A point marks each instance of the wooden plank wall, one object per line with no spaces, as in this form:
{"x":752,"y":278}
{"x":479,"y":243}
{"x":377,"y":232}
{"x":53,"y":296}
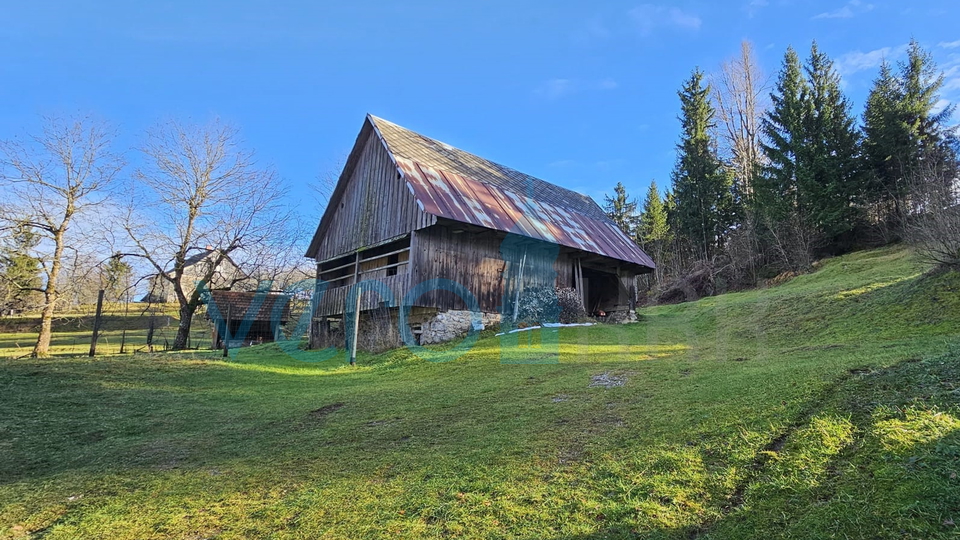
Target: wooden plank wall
{"x":376,"y":205}
{"x":333,"y":300}
{"x":476,"y":260}
{"x":485,"y":263}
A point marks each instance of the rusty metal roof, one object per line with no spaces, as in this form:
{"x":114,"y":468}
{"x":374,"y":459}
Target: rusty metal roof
{"x":453,"y":184}
{"x":267,"y":305}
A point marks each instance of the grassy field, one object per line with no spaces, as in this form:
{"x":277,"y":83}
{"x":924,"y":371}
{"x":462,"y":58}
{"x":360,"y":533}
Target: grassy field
{"x":827,"y":407}
{"x":72,"y":331}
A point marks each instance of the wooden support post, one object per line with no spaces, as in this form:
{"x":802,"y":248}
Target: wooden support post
{"x":356,"y":269}
{"x":578,"y":271}
{"x":356,"y":331}
{"x":226,"y":332}
{"x":96,"y":324}
{"x":151,"y":326}
{"x":516,"y":300}
{"x":356,"y":311}
{"x":123,"y":341}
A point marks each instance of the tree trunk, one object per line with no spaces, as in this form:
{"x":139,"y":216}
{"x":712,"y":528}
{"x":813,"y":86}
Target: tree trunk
{"x":183,"y":329}
{"x":50,"y":294}
{"x":42,"y":348}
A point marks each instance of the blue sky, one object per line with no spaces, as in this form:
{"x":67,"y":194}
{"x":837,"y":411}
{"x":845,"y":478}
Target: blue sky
{"x":582,"y":94}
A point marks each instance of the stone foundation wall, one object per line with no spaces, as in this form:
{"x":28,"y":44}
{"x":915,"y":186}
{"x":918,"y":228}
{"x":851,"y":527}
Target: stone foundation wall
{"x":622,"y":317}
{"x":451,"y":325}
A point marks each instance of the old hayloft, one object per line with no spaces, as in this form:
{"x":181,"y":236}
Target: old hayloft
{"x":408,"y":209}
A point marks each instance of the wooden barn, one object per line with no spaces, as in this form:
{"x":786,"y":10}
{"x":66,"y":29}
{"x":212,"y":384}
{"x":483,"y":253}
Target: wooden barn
{"x":408,"y":209}
{"x":252,"y":317}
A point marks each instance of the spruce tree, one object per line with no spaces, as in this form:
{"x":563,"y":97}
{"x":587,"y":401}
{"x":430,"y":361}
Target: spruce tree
{"x":776,"y":193}
{"x":653,"y":232}
{"x":905,"y":137}
{"x":921,"y":94}
{"x":829,"y":178}
{"x":19,"y":270}
{"x":653,"y":226}
{"x":885,"y":143}
{"x":622,"y":209}
{"x":703,"y":189}
{"x":116,"y":276}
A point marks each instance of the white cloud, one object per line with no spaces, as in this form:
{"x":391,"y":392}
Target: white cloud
{"x":555,"y":88}
{"x":559,"y":88}
{"x":851,"y":9}
{"x":951,"y":79}
{"x":949,"y":44}
{"x":854,"y":61}
{"x":755,"y":6}
{"x":607,"y":84}
{"x":939,"y":106}
{"x":649,"y":17}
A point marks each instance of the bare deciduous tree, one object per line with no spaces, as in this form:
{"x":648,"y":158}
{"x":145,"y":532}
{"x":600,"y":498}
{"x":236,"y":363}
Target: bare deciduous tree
{"x":49,"y":181}
{"x":740,"y":96}
{"x":935,"y":227}
{"x":200,"y":188}
{"x":324,"y":185}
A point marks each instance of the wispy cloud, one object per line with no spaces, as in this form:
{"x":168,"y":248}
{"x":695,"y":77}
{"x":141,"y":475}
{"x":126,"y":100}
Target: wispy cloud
{"x":851,"y":9}
{"x":855,"y":61}
{"x":554,"y":88}
{"x":595,"y":29}
{"x":607,"y":84}
{"x":949,"y":44}
{"x":558,"y":88}
{"x":951,"y":79}
{"x":939,"y":106}
{"x":649,"y":17}
{"x":755,"y":6}
{"x":951,"y":76}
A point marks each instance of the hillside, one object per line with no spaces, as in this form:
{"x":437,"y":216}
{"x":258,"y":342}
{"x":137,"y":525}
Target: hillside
{"x":828,"y":406}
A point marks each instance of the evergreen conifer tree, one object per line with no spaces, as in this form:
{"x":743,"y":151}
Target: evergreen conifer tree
{"x":702,"y":188}
{"x":622,"y":209}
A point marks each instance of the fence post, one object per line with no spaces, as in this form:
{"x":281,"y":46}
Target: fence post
{"x":96,"y":324}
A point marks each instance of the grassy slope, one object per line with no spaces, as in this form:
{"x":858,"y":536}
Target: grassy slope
{"x":824,"y":407}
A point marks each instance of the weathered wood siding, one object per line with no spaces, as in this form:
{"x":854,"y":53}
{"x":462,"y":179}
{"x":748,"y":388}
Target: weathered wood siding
{"x":484,"y":263}
{"x":375,"y":206}
{"x":333,"y":300}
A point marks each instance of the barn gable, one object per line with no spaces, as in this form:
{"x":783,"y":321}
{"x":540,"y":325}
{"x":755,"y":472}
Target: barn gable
{"x":370,"y":205}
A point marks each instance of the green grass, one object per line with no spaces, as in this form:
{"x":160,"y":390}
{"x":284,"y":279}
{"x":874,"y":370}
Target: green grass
{"x":72,"y":331}
{"x":828,"y":407}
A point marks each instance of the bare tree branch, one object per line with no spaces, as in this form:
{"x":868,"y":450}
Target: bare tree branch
{"x":52,"y":179}
{"x":201,"y":188}
{"x":740,"y":97}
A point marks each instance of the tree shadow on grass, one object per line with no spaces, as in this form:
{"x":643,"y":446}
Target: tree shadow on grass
{"x":880,"y":458}
{"x":396,"y":428}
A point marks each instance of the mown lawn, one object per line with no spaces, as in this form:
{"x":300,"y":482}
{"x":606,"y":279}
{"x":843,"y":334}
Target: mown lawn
{"x":828,"y":407}
{"x":127,"y":327}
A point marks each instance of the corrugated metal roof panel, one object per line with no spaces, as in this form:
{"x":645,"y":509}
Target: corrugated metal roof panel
{"x":460,"y":198}
{"x":457,"y":185}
